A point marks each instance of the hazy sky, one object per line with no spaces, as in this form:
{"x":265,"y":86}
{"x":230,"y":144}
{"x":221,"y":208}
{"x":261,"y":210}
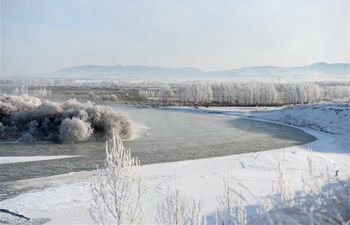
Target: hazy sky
{"x":45,"y":35}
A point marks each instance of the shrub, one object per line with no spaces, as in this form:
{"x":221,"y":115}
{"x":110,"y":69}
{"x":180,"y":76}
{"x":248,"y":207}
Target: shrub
{"x":74,"y":130}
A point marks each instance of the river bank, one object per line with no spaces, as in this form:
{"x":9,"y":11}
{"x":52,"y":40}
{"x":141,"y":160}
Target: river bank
{"x":202,"y":178}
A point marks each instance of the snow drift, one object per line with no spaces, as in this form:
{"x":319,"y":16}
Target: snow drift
{"x":26,"y":118}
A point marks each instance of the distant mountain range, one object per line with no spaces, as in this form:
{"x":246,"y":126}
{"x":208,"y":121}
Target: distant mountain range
{"x":316,"y":71}
{"x":131,"y":72}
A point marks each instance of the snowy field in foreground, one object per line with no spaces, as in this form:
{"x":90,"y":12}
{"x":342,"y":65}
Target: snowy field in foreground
{"x":202,"y":179}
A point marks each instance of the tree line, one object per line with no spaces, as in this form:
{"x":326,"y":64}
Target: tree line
{"x":231,"y":93}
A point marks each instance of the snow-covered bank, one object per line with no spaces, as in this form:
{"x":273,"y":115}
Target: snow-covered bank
{"x":17,"y":159}
{"x":328,"y":118}
{"x":202,"y":179}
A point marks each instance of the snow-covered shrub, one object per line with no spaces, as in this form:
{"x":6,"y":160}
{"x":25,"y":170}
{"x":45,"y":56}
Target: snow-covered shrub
{"x":331,"y":207}
{"x":105,"y":119}
{"x":311,"y":181}
{"x":285,"y":193}
{"x":175,"y":208}
{"x":327,"y":204}
{"x":230,"y":210}
{"x":24,"y":115}
{"x":93,"y":97}
{"x":334,"y":203}
{"x":119,"y":192}
{"x":195,"y":213}
{"x":74,"y":130}
{"x":11,"y":103}
{"x":172,"y":208}
{"x":111,"y":97}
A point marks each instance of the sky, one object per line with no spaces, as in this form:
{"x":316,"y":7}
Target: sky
{"x":40,"y":36}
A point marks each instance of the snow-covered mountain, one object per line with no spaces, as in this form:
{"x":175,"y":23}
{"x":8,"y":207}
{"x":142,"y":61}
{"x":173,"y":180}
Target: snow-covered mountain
{"x":316,"y":71}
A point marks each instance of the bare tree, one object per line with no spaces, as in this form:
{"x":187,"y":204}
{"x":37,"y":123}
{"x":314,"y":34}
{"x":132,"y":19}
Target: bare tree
{"x":119,"y":193}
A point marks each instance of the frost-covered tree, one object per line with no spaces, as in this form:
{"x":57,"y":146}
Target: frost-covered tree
{"x":166,"y":93}
{"x":248,"y":93}
{"x":183,"y":94}
{"x":335,"y":91}
{"x":201,"y":93}
{"x":119,"y":193}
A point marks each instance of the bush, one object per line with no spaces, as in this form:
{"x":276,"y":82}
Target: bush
{"x":119,"y":193}
{"x":26,"y":118}
{"x":74,"y":130}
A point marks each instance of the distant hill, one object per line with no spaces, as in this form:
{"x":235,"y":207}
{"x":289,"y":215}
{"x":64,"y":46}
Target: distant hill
{"x":131,"y":71}
{"x":316,"y":71}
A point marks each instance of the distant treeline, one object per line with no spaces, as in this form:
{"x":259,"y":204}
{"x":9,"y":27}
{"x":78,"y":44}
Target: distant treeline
{"x":230,"y":93}
{"x":201,"y":93}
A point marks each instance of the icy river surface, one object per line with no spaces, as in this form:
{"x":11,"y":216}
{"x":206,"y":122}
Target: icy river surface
{"x":162,"y":135}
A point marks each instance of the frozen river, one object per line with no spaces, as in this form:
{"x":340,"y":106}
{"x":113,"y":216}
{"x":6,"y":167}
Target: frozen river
{"x":163,"y":135}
